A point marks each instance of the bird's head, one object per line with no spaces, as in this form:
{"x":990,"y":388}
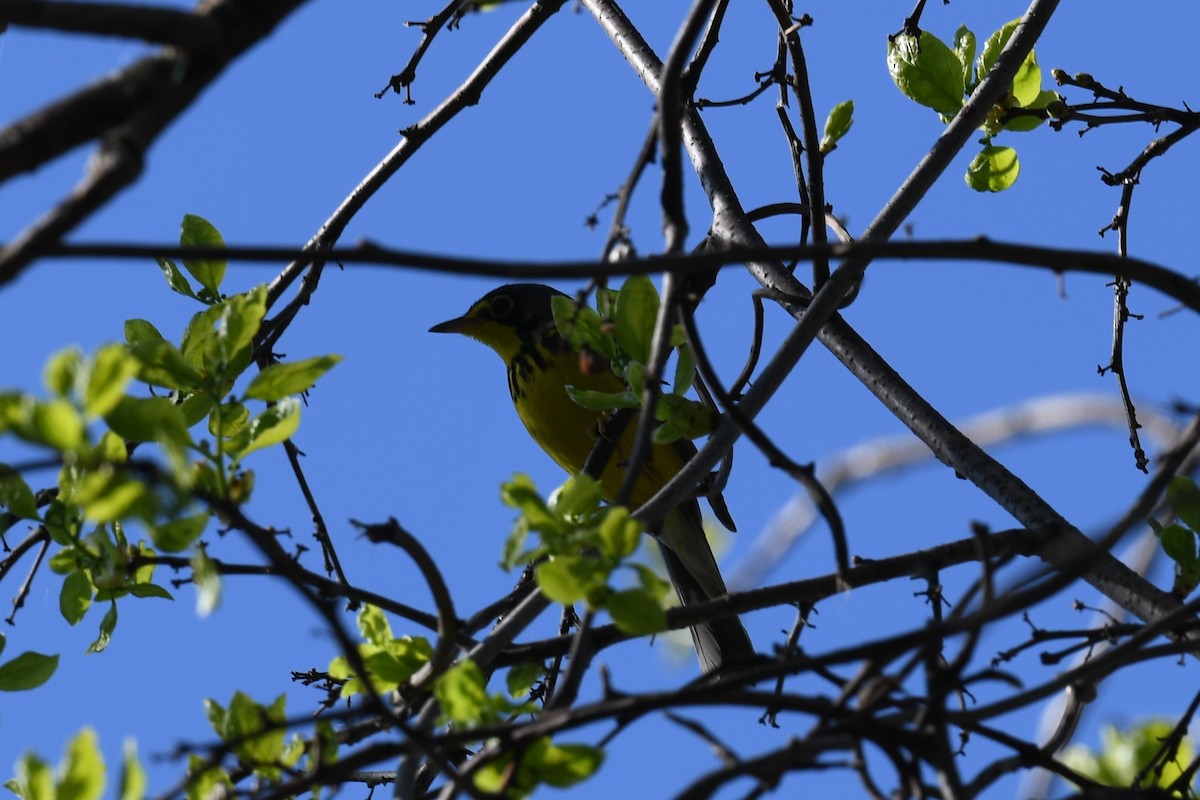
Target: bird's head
{"x":506,"y":317}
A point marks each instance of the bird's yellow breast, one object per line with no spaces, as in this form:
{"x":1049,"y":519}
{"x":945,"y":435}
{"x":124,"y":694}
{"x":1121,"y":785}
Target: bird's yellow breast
{"x":567,"y":431}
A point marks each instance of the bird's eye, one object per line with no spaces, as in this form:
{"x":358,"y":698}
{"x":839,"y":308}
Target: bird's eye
{"x":501,"y":306}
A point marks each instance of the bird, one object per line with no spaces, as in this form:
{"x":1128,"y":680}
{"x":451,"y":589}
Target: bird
{"x":517,"y":322}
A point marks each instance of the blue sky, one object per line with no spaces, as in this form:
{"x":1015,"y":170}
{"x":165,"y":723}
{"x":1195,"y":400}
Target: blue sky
{"x":418,"y":427}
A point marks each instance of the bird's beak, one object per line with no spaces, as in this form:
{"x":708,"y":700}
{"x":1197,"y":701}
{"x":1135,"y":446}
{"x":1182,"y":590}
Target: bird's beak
{"x":464,"y":325}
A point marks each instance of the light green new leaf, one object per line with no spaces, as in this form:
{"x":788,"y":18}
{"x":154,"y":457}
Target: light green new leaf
{"x":603,"y":401}
{"x":107,"y":626}
{"x":272,"y":426}
{"x":620,"y":534}
{"x":133,"y":774}
{"x":1027,"y":83}
{"x":994,"y":169}
{"x":75,"y":597}
{"x":560,"y":766}
{"x":581,"y":326}
{"x":207,"y":581}
{"x":15,"y":495}
{"x":27,"y":671}
{"x":228,"y":420}
{"x":83,"y":772}
{"x":149,"y":419}
{"x":34,"y":781}
{"x":462,"y":694}
{"x":636,"y":612}
{"x":179,"y":534}
{"x":282,"y":380}
{"x":240,"y":318}
{"x":198,"y":337}
{"x":926,"y":71}
{"x":522,"y":677}
{"x":161,"y":363}
{"x":175,"y":278}
{"x":964,"y":49}
{"x":684,"y":418}
{"x":637,"y":309}
{"x":199,"y":232}
{"x":1184,"y":497}
{"x":837,"y":125}
{"x":569,"y":579}
{"x":62,"y":371}
{"x":109,"y":373}
{"x":55,"y":423}
{"x":578,"y":496}
{"x":374,"y":626}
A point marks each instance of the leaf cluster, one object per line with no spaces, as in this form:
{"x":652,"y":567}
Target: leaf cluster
{"x":92,"y":422}
{"x":620,"y":332}
{"x":934,"y":74}
{"x":580,"y":549}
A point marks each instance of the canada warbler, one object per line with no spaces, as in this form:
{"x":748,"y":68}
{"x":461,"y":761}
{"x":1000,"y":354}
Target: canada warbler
{"x":517,"y":322}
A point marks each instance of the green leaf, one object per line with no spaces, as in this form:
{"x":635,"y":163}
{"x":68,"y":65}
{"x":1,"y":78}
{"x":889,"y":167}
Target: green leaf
{"x":199,"y":232}
{"x":521,"y":494}
{"x":240,"y":318}
{"x":685,"y":371}
{"x":57,"y":424}
{"x":926,"y":71}
{"x":522,"y":678}
{"x":109,"y":373}
{"x":271,"y":427}
{"x":229,"y":420}
{"x":570,"y":579}
{"x":161,"y":363}
{"x":374,"y":626}
{"x":107,"y":626}
{"x":15,"y":494}
{"x":577,"y":497}
{"x":994,"y":169}
{"x":495,"y":776}
{"x":34,"y":781}
{"x":146,"y":590}
{"x":133,"y":775}
{"x":175,"y":278}
{"x":964,"y":50}
{"x":603,"y":401}
{"x":635,"y":378}
{"x":560,"y":766}
{"x":83,"y":773}
{"x":461,"y":693}
{"x":636,"y":612}
{"x":149,"y":419}
{"x":62,"y":371}
{"x":75,"y":598}
{"x":199,"y":335}
{"x":620,"y":534}
{"x":837,"y":125}
{"x":637,"y":310}
{"x":179,"y":534}
{"x":27,"y":671}
{"x":1027,"y":83}
{"x":1184,"y":498}
{"x":684,"y":418}
{"x":107,"y":495}
{"x":281,"y":380}
{"x":255,"y":730}
{"x":208,"y":583}
{"x":196,"y":407}
{"x":581,"y":326}
{"x":206,"y":782}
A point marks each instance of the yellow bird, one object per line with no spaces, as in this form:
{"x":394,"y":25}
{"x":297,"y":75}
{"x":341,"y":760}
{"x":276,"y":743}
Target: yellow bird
{"x":517,"y":322}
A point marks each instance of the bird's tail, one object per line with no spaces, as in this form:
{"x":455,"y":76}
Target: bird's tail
{"x":694,"y":574}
